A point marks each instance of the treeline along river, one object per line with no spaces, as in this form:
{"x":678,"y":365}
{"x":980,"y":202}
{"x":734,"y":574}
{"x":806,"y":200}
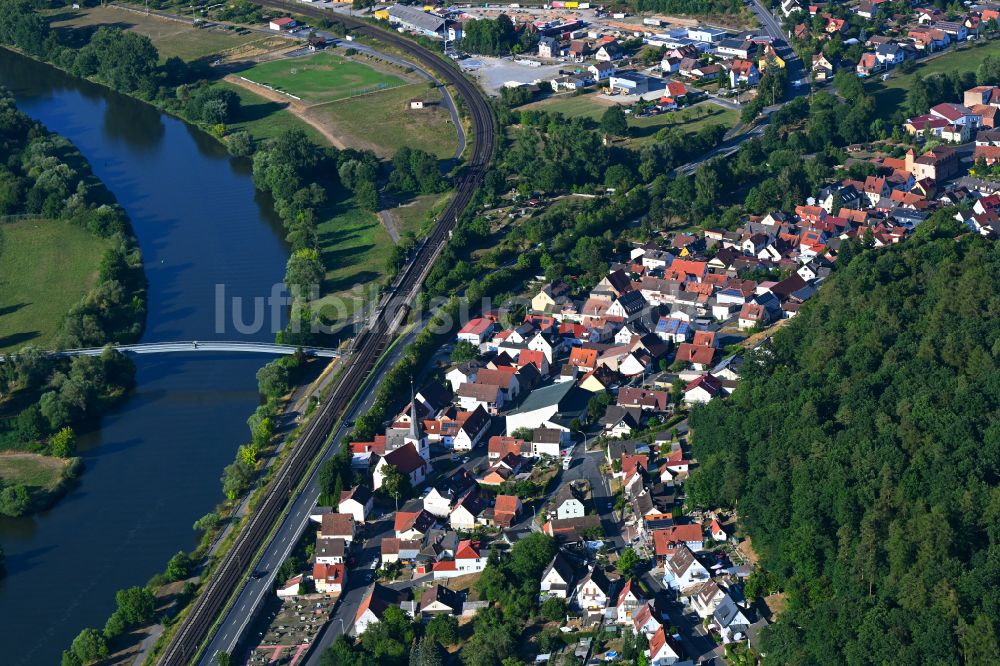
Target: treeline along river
{"x":153,"y":466}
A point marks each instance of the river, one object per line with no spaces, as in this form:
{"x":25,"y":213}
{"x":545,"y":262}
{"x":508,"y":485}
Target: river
{"x":153,"y":466}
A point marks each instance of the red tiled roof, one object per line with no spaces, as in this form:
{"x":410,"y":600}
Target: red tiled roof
{"x":691,"y":353}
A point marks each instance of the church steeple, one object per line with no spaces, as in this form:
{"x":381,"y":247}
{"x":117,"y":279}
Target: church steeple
{"x":414,"y":421}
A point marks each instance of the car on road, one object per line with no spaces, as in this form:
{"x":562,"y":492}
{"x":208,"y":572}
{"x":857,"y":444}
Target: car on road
{"x":258,"y":574}
{"x":465,"y":460}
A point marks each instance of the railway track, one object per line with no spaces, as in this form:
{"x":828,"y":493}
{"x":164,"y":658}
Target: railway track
{"x":227,"y":578}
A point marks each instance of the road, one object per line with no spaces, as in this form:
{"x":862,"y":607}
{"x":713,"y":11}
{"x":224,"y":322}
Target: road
{"x":230,"y":575}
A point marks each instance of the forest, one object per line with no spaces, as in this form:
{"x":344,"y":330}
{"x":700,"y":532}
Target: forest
{"x":862,"y":449}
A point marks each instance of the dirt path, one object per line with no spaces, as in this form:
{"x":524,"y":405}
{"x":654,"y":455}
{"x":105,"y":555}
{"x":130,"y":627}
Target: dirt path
{"x":295,"y":107}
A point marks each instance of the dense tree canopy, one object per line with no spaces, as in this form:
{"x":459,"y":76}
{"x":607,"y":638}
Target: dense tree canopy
{"x":863,"y":451}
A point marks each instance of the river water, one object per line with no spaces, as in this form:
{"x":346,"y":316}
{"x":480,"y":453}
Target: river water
{"x":153,"y":466}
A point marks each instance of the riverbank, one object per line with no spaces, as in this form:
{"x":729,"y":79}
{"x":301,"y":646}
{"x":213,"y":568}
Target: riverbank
{"x":46,"y":478}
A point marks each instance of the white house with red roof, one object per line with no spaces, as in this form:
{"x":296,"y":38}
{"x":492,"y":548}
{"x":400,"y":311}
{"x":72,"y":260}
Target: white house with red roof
{"x":628,"y":602}
{"x":645,"y":620}
{"x":290,"y":588}
{"x":957,"y":114}
{"x":329,"y":578}
{"x":469,"y":557}
{"x":281,"y":24}
{"x":703,"y":389}
{"x":477,"y":331}
{"x":717,"y":532}
{"x":661,"y":651}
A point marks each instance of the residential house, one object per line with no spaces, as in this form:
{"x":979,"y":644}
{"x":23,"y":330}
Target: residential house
{"x":467,"y":512}
{"x":629,"y":601}
{"x":548,"y":47}
{"x":410,"y":525}
{"x":620,"y":421}
{"x":594,"y":591}
{"x":662,"y":651}
{"x":485,"y":396}
{"x":682,"y":570}
{"x":506,"y":510}
{"x":707,"y":599}
{"x":477,"y":331}
{"x":440,"y":600}
{"x":890,"y":54}
{"x":469,"y":557}
{"x":743,"y":73}
{"x":357,"y":502}
{"x":547,"y":442}
{"x":330,"y":550}
{"x":557,"y":580}
{"x":445,"y":493}
{"x":868,"y":65}
{"x":337,"y":526}
{"x":608,"y":52}
{"x":329,"y":578}
{"x":500,"y":445}
{"x":463,"y":373}
{"x":601,"y":71}
{"x":669,"y":540}
{"x":373,"y":607}
{"x":822,"y":68}
{"x":629,"y":306}
{"x":729,"y":621}
{"x":567,"y":503}
{"x":407,"y":460}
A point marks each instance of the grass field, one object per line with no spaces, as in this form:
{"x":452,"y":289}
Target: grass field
{"x":321,"y":77}
{"x":891,"y":95}
{"x":46,"y":266}
{"x":31,"y":469}
{"x":412,"y":216}
{"x":355,"y":248}
{"x":383,"y":123}
{"x":265,"y":119}
{"x":171,"y":38}
{"x":643,"y":130}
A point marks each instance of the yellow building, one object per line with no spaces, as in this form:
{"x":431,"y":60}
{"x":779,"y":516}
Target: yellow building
{"x":770,"y":57}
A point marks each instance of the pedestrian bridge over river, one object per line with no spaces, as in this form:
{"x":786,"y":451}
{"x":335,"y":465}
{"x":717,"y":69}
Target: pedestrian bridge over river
{"x":204,"y":346}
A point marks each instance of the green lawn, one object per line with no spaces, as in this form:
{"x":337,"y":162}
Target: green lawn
{"x":643,"y":130}
{"x":321,"y":77}
{"x":412,"y":216}
{"x":891,"y":95}
{"x":46,"y":266}
{"x":383,"y":122}
{"x":33,"y":470}
{"x":171,"y":38}
{"x":265,"y":119}
{"x":355,"y":248}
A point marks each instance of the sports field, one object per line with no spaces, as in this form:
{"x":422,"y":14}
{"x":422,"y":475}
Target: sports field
{"x":46,"y":266}
{"x":321,"y":77}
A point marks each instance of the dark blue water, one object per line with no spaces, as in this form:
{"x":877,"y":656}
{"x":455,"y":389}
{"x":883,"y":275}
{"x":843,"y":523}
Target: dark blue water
{"x":153,"y":467}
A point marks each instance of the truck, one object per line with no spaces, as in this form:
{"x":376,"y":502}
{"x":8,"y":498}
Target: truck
{"x":652,"y":21}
